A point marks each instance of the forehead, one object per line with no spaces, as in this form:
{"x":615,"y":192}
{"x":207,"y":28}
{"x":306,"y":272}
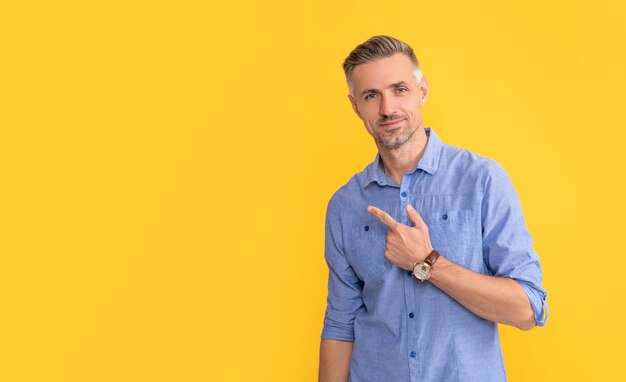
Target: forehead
{"x":385,"y":71}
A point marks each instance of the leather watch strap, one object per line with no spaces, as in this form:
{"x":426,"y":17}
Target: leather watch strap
{"x":432,"y":257}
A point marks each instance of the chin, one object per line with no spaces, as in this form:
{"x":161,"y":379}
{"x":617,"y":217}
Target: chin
{"x":394,"y":143}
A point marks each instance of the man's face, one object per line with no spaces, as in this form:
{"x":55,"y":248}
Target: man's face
{"x":388,"y":98}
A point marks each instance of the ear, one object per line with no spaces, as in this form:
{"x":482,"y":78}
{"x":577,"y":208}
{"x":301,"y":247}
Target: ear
{"x":423,"y":88}
{"x":354,"y":106}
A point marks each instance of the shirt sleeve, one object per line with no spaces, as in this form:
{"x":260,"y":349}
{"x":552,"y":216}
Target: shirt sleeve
{"x":507,"y":244}
{"x":344,"y":287}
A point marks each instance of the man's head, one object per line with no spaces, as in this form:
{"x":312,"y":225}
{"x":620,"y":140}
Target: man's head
{"x":387,"y":89}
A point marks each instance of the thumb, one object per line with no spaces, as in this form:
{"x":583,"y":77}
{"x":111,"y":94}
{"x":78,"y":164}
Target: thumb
{"x":415,"y":217}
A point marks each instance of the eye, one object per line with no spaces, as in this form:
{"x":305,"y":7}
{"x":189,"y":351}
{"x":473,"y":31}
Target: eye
{"x":369,"y":96}
{"x":402,"y":89}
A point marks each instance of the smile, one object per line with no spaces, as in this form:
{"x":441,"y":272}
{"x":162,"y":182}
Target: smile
{"x":391,"y":124}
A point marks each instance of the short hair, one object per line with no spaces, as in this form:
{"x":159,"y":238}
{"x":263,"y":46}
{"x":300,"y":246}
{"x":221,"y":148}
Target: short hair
{"x":375,"y":48}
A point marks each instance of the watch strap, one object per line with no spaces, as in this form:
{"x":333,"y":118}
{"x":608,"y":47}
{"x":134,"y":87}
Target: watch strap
{"x":432,"y":257}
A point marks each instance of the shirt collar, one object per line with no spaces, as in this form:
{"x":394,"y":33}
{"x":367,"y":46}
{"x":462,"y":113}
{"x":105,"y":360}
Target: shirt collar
{"x":429,"y":161}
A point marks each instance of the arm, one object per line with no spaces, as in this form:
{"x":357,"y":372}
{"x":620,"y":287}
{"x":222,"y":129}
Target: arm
{"x":497,"y":298}
{"x":343,"y":304}
{"x":335,"y":360}
{"x":493,"y":298}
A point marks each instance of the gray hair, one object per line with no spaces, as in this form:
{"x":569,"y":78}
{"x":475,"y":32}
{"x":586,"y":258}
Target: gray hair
{"x":375,"y":48}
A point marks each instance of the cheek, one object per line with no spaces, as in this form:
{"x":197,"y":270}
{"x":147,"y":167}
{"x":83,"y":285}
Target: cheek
{"x":412,"y":110}
{"x":369,"y":116}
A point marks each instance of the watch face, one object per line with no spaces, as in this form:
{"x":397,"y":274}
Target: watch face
{"x":422,"y":271}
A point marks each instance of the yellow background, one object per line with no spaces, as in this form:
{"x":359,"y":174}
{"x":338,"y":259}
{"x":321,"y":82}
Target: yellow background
{"x":165,"y":169}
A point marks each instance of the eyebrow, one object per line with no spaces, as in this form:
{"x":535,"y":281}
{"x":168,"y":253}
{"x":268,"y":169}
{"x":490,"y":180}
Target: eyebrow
{"x":394,"y":85}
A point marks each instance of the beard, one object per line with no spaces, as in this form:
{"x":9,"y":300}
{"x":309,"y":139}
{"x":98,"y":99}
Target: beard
{"x":395,"y":138}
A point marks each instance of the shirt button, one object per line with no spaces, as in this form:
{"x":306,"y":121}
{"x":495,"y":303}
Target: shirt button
{"x":413,"y":354}
{"x":411,"y":315}
{"x":367,"y":228}
{"x":445,"y":217}
{"x":404,"y":194}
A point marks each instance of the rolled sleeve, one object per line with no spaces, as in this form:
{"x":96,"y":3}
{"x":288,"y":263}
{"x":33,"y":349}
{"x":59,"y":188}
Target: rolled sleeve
{"x":507,"y":244}
{"x":537,"y":301}
{"x":344,"y":287}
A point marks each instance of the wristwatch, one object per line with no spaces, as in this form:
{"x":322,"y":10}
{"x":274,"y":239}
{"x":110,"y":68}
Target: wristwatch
{"x":423,"y":269}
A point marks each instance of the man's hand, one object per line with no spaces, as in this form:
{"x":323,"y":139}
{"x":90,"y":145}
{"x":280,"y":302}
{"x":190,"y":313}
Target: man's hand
{"x":405,"y":245}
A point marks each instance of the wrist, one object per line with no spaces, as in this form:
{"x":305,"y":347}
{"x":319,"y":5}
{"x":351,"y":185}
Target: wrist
{"x":439,"y":269}
{"x":418,"y":259}
{"x":423,"y":269}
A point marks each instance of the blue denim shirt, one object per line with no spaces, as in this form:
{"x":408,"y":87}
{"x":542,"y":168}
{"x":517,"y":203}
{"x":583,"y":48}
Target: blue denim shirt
{"x":405,"y":330}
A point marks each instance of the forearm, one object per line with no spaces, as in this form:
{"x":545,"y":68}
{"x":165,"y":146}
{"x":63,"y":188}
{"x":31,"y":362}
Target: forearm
{"x":495,"y":299}
{"x":335,"y":360}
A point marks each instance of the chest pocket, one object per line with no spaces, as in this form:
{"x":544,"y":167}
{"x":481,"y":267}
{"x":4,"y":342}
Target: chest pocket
{"x":450,"y":234}
{"x":366,"y":249}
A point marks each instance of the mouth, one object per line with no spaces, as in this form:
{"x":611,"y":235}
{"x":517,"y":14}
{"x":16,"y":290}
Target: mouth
{"x":391,"y":124}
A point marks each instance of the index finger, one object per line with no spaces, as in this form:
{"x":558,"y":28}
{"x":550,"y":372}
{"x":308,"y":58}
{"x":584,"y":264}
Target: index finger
{"x":383,"y":217}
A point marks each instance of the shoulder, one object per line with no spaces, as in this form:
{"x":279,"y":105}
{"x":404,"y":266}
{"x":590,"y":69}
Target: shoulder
{"x":467,"y":165}
{"x":351,"y":192}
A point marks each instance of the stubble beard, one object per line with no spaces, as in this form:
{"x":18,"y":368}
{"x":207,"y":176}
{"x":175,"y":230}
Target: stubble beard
{"x":397,"y":137}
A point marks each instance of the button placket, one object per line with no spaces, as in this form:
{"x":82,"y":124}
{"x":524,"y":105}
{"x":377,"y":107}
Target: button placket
{"x":411,"y":325}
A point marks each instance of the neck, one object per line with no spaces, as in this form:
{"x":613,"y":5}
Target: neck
{"x":397,"y":162}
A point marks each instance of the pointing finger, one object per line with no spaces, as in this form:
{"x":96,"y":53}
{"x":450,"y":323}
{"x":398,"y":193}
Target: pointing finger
{"x":383,"y":217}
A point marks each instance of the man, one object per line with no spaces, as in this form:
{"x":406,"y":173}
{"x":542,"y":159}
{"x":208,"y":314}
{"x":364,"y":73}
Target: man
{"x":427,"y":247}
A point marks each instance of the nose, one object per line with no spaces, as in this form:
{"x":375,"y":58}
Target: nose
{"x":387,"y":106}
